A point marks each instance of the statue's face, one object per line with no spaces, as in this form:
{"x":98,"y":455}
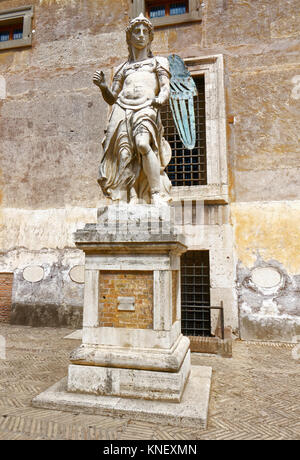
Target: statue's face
{"x":140,"y":36}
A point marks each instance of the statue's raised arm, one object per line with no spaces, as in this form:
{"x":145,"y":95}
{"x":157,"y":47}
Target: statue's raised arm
{"x":110,"y":96}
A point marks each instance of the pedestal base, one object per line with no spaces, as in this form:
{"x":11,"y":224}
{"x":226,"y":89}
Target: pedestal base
{"x":146,"y":359}
{"x":190,"y":412}
{"x":132,"y":383}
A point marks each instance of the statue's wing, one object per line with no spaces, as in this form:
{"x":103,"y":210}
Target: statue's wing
{"x":182,"y":92}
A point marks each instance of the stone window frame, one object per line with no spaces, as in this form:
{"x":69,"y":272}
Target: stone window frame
{"x":216,"y":190}
{"x":25,"y":13}
{"x":194,"y":14}
{"x":167,"y":6}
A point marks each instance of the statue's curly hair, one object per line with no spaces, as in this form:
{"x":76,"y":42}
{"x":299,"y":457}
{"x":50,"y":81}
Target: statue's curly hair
{"x":139,"y":20}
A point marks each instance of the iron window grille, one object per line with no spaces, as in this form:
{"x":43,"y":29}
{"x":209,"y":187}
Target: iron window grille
{"x":161,"y":8}
{"x":195,"y":294}
{"x":11,"y":32}
{"x":16,"y":27}
{"x":187,"y":167}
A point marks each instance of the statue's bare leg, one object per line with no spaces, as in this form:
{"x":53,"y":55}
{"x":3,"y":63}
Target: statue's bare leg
{"x":151,"y":165}
{"x":122,"y":192}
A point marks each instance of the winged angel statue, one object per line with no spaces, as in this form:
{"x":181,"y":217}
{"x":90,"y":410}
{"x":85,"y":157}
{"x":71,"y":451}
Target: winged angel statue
{"x":135,"y":153}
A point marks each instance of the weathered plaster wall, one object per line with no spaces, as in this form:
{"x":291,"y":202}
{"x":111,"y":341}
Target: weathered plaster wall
{"x":52,"y":119}
{"x":53,"y":300}
{"x":51,"y":125}
{"x":270,"y":229}
{"x":260,"y":42}
{"x":42,"y":239}
{"x":267,"y":240}
{"x":53,"y":116}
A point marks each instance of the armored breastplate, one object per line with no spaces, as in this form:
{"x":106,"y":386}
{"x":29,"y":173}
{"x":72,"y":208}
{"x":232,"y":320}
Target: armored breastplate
{"x":148,"y":66}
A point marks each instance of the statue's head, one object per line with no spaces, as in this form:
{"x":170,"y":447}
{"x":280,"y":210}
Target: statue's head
{"x":137,"y":27}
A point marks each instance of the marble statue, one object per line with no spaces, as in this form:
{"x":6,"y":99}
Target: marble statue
{"x":135,"y":153}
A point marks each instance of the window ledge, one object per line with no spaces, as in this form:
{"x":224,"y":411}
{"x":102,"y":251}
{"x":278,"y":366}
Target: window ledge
{"x":193,"y":16}
{"x":210,"y":194}
{"x":9,"y":44}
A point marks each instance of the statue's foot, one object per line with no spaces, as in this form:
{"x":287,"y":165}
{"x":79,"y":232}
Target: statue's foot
{"x":134,"y":200}
{"x":157,"y":200}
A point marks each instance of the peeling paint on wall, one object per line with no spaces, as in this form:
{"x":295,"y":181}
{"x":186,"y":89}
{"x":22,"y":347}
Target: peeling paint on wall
{"x":270,"y":229}
{"x":54,"y":299}
{"x":268,"y":312}
{"x":267,"y":245}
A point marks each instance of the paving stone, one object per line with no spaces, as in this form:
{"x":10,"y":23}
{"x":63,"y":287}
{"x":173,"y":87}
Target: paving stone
{"x":254,"y":394}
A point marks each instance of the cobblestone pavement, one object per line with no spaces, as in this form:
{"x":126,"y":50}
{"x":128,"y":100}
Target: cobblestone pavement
{"x":254,"y":395}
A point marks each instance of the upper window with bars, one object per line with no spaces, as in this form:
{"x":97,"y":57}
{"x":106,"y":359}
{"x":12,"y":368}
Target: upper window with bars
{"x":15,"y":27}
{"x":158,"y":9}
{"x":11,"y":31}
{"x":168,"y":12}
{"x":187,"y":167}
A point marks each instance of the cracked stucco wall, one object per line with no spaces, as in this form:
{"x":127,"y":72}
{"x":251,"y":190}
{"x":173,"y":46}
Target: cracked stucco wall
{"x":268,"y":272}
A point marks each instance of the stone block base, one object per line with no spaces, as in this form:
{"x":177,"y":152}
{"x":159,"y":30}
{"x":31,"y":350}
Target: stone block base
{"x":154,"y":359}
{"x":191,"y":412}
{"x":129,"y":383}
{"x":211,"y":345}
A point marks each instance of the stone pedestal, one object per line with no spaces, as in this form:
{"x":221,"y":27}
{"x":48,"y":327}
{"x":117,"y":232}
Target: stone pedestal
{"x":133,"y":360}
{"x":132,"y":344}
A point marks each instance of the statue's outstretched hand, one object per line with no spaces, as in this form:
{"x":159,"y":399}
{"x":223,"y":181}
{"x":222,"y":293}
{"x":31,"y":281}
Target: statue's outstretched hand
{"x":99,"y":79}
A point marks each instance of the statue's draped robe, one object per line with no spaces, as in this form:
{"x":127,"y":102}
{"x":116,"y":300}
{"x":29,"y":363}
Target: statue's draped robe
{"x":121,"y":166}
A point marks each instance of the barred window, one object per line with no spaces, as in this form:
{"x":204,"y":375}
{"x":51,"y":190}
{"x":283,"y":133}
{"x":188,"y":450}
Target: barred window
{"x":11,"y":31}
{"x":187,"y":167}
{"x":160,"y":8}
{"x":195,"y":293}
{"x":164,"y":13}
{"x":15,"y":27}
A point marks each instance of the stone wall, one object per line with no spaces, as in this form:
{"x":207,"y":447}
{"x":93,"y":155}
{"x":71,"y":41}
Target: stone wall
{"x":51,"y":126}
